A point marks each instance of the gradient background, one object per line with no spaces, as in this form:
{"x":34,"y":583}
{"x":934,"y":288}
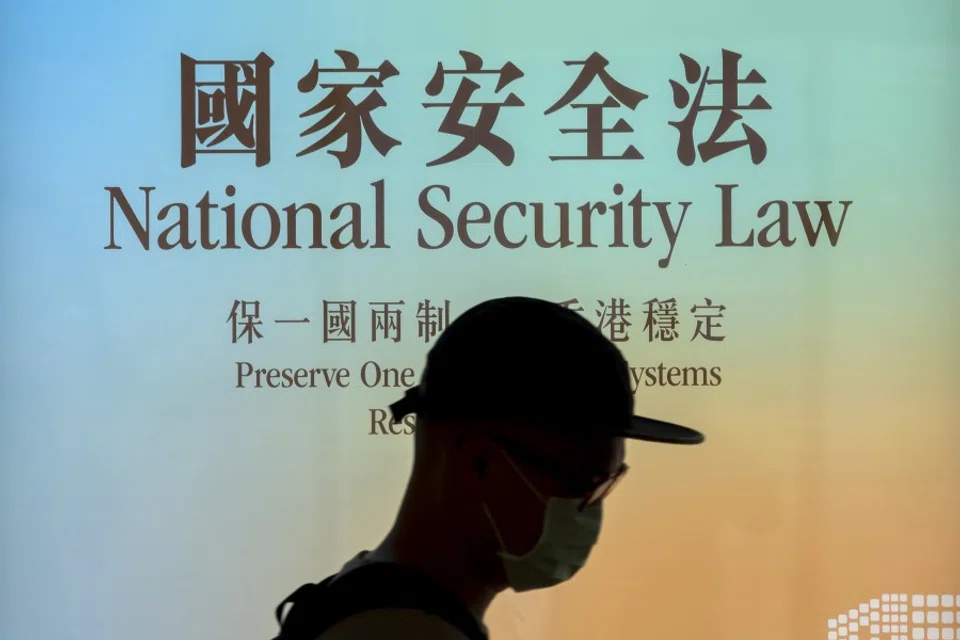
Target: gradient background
{"x":144,"y":497}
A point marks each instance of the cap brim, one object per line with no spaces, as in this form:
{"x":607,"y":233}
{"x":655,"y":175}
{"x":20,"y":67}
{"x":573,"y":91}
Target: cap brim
{"x":651,"y":430}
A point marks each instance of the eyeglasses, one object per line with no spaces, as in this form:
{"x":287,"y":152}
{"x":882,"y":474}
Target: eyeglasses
{"x":605,"y":488}
{"x":594,"y":490}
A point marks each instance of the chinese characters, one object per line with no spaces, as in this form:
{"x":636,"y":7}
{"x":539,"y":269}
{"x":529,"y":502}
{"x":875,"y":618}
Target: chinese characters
{"x":350,"y":321}
{"x":225,"y":108}
{"x":229,"y":113}
{"x":383,"y":321}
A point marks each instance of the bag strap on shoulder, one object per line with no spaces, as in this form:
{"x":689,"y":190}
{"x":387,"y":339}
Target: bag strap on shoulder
{"x":380,"y":585}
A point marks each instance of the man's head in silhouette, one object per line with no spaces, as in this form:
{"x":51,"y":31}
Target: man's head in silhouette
{"x":522,"y":413}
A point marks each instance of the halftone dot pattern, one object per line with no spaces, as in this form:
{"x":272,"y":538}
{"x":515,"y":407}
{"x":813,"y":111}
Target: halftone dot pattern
{"x":895,"y":616}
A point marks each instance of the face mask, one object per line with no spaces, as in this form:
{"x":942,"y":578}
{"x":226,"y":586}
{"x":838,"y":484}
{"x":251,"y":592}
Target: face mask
{"x":566,"y":540}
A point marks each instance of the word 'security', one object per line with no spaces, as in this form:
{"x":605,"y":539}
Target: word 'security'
{"x":226,"y":109}
{"x":660,"y":320}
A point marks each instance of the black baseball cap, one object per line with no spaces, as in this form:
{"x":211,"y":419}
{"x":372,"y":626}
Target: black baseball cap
{"x":532,"y":361}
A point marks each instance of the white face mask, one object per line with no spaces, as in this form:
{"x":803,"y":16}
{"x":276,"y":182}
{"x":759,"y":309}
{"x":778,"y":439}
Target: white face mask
{"x":565,"y":542}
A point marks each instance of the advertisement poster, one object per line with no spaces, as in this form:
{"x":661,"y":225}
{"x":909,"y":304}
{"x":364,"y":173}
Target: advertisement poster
{"x":232,"y":231}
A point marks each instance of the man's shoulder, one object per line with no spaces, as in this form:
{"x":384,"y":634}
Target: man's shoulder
{"x":393,"y":624}
{"x":396,"y":622}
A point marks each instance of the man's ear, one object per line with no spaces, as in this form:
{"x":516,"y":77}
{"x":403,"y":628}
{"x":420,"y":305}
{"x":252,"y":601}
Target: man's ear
{"x":471,"y":457}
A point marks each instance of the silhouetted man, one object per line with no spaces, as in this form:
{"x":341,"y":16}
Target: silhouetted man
{"x":522,"y":412}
